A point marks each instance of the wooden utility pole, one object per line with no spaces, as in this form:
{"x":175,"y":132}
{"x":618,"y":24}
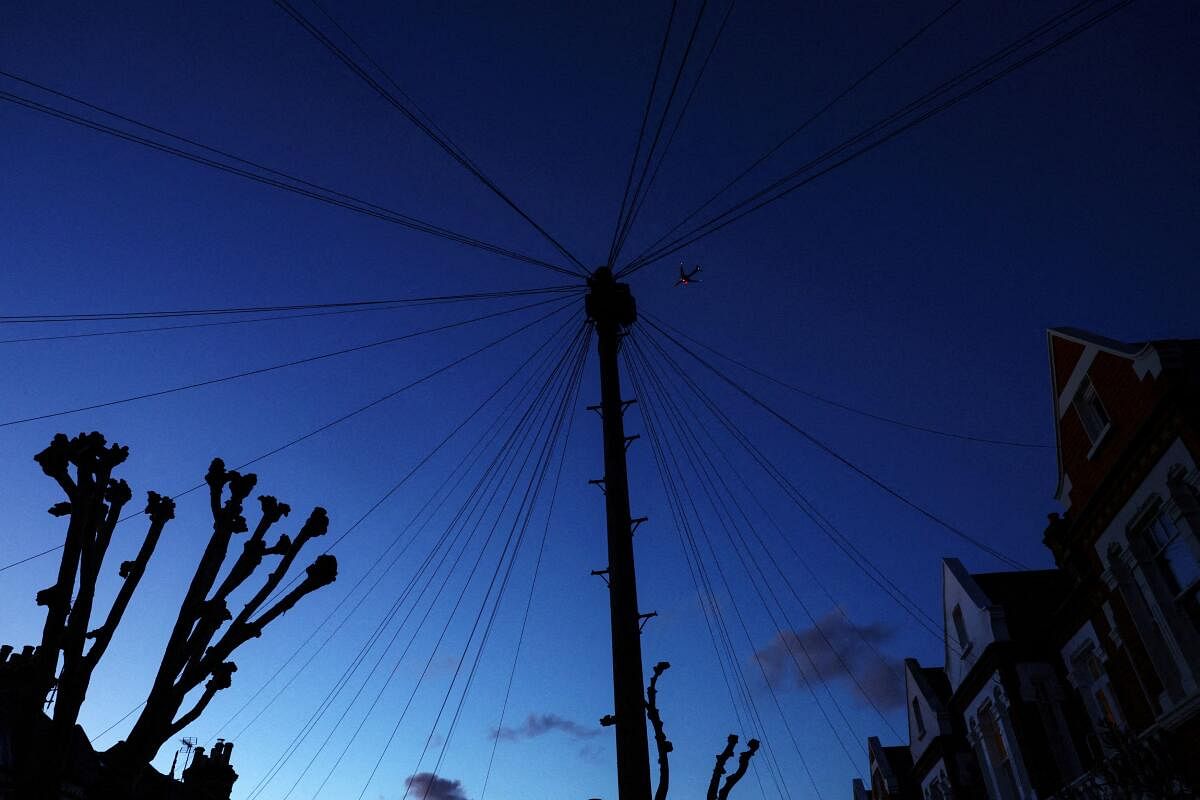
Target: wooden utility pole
{"x":611,"y":308}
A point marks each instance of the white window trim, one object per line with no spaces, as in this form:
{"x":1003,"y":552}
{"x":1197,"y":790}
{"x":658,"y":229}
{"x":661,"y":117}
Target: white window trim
{"x":1102,"y":435}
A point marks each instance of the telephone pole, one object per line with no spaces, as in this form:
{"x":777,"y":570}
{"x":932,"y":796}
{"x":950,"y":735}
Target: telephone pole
{"x":611,"y":308}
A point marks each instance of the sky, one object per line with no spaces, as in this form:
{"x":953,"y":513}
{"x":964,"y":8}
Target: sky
{"x":915,"y":282}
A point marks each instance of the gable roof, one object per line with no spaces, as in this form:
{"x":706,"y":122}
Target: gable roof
{"x":1080,"y":336}
{"x":1070,"y":352}
{"x":931,"y":682}
{"x":1063,"y":366}
{"x":894,"y":765}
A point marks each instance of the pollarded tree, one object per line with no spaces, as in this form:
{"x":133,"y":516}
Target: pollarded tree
{"x":716,"y":791}
{"x":201,"y":643}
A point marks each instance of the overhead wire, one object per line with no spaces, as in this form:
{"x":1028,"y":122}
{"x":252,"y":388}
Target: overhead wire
{"x":542,"y":397}
{"x":27,"y":559}
{"x":721,"y":514}
{"x":726,"y":651}
{"x":528,"y":504}
{"x":635,"y":203}
{"x":727,"y":660}
{"x":191,"y":325}
{"x":715,"y":222}
{"x":845,"y":406}
{"x":702,"y":467}
{"x":255,"y":171}
{"x":813,"y":577}
{"x":637,"y":150}
{"x":723,"y":643}
{"x":334,"y":422}
{"x":468,"y":461}
{"x":99,"y":736}
{"x":282,"y":589}
{"x":861,"y":79}
{"x":687,"y":103}
{"x":828,"y":450}
{"x":441,"y":141}
{"x":504,"y":455}
{"x":275,"y":367}
{"x":473,"y":503}
{"x":504,"y":550}
{"x":871,"y":570}
{"x":379,"y":559}
{"x":853,"y":553}
{"x":710,"y":470}
{"x":797,"y":179}
{"x":537,"y":565}
{"x":387,"y":76}
{"x":398,"y":302}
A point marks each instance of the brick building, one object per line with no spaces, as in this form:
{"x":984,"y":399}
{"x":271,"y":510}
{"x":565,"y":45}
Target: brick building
{"x":1082,"y":681}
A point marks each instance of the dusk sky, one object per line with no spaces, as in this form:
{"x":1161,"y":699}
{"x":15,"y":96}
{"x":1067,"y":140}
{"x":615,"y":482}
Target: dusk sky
{"x":915,"y":282}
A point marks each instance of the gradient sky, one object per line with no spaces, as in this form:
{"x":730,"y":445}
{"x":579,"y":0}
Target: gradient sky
{"x":915,"y":282}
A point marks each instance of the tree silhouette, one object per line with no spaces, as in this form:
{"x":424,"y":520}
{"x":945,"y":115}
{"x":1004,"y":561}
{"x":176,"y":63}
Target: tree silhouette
{"x":62,"y":665}
{"x":715,"y":790}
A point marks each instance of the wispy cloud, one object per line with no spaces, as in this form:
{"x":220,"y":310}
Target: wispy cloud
{"x":837,"y":651}
{"x":541,"y":724}
{"x":428,"y":786}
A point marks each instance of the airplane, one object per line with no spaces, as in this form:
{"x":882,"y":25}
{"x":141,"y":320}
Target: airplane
{"x":687,"y":277}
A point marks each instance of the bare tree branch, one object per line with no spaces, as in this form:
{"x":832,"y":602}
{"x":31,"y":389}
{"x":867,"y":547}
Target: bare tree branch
{"x":160,"y":510}
{"x":661,"y":742}
{"x":222,"y":678}
{"x":191,"y":655}
{"x":740,"y":772}
{"x":719,"y":770}
{"x":82,"y":466}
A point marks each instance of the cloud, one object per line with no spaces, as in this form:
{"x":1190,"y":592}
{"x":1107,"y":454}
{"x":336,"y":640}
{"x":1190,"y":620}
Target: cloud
{"x":540,"y":724}
{"x":836,"y":651}
{"x":594,"y":754}
{"x":428,"y":786}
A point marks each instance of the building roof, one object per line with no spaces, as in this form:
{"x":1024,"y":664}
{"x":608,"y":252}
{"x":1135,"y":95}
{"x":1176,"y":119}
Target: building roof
{"x":1027,"y":597}
{"x":1080,"y":336}
{"x":1068,"y":346}
{"x":894,"y":765}
{"x":936,"y":679}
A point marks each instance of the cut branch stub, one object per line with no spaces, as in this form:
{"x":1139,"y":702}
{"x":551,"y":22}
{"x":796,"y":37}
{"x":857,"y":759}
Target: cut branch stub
{"x":280,"y":547}
{"x":159,"y":508}
{"x":54,"y":459}
{"x":272,"y":510}
{"x":118,"y":493}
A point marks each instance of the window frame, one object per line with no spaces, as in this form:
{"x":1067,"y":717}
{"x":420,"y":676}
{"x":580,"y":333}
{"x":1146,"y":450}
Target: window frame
{"x":1086,"y":658}
{"x":1091,"y":410}
{"x":1161,"y":533}
{"x":918,"y":717}
{"x":958,"y":619}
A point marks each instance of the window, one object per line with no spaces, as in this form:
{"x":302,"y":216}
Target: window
{"x":1093,"y":681}
{"x":1176,"y":560}
{"x":1091,"y":412}
{"x":960,"y":631}
{"x":918,"y":719}
{"x":997,"y":751}
{"x":939,"y":788}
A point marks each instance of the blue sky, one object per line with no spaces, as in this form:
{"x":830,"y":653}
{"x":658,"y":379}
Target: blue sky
{"x":915,"y":282}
